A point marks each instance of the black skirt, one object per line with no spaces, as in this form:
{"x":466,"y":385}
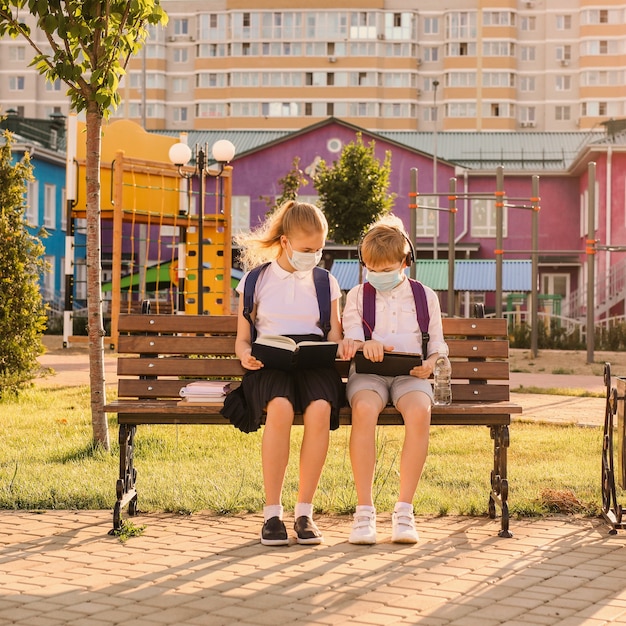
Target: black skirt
{"x":245,"y":406}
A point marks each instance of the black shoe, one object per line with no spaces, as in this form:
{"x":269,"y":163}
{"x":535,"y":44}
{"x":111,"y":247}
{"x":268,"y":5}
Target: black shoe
{"x":308,"y":533}
{"x":274,"y":533}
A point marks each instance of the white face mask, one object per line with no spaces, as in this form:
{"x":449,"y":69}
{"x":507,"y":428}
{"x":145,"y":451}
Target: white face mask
{"x":385,"y":281}
{"x":304,"y":261}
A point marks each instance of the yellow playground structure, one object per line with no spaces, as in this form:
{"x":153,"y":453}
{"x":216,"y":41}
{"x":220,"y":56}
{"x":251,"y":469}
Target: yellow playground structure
{"x":151,"y":221}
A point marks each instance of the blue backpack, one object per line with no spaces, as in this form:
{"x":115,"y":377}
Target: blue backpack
{"x":421,"y":308}
{"x":321,"y":280}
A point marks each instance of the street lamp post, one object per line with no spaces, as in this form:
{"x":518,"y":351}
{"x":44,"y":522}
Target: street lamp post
{"x":436,"y":119}
{"x":180,"y":154}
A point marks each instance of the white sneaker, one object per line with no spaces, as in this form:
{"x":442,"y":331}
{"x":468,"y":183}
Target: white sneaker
{"x":403,"y":527}
{"x":363,"y":528}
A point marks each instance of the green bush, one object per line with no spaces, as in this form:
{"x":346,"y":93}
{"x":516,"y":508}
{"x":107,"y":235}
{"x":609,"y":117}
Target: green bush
{"x":611,"y":339}
{"x":23,"y":312}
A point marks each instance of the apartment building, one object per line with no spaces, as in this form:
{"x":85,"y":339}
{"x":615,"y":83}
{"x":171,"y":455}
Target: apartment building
{"x":384,"y":65}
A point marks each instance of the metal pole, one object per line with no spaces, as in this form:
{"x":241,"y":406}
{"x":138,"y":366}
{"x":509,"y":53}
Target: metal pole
{"x":200,"y":278}
{"x":451,"y":250}
{"x":435,"y":85}
{"x":534,"y":331}
{"x":591,"y":251}
{"x":70,"y":232}
{"x":413,"y":215}
{"x":499,"y":227}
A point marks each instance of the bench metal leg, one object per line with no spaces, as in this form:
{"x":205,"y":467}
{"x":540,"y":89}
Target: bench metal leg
{"x":499,"y":483}
{"x":611,"y":509}
{"x":125,"y":486}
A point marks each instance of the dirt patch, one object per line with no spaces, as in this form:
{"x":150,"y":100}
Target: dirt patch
{"x":568,"y":362}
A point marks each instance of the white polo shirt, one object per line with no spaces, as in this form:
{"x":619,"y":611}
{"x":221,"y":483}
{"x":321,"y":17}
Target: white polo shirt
{"x":286,"y":302}
{"x":396,"y":319}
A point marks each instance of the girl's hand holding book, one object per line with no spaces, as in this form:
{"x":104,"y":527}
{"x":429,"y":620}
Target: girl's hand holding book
{"x":250,"y":362}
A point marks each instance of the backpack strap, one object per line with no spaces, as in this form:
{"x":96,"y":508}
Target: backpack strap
{"x":421,"y":309}
{"x":369,"y":310}
{"x":321,"y":279}
{"x":423,"y":316}
{"x":248,"y":296}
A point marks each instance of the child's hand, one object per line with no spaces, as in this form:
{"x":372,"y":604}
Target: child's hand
{"x":250,"y":362}
{"x":347,"y":348}
{"x":425,"y":370}
{"x":375,"y":351}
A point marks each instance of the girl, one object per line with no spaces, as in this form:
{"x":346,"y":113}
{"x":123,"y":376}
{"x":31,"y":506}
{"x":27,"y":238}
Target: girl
{"x":285,"y":303}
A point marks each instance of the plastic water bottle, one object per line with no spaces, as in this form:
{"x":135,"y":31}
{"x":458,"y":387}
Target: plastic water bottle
{"x":442,"y":375}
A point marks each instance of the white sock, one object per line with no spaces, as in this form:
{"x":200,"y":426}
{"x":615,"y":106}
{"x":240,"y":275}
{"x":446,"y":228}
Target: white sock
{"x":273,"y":510}
{"x":403,"y":507}
{"x":303,"y":508}
{"x":365,"y":508}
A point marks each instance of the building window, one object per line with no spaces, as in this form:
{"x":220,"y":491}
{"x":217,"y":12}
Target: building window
{"x":49,"y":205}
{"x":430,"y":54}
{"x":483,"y":216}
{"x":180,"y":85}
{"x":330,"y":109}
{"x":461,"y":109}
{"x":48,"y":278}
{"x":426,"y":221}
{"x":528,"y":23}
{"x":563,"y":22}
{"x":431,"y":25}
{"x":17,"y":53}
{"x":308,"y":109}
{"x":498,"y":18}
{"x":180,"y":55}
{"x":498,"y":48}
{"x":527,"y":83}
{"x":527,"y":53}
{"x":563,"y":53}
{"x":461,"y":25}
{"x":16,"y":83}
{"x":32,"y":203}
{"x":562,"y":113}
{"x":181,"y":26}
{"x":63,"y":209}
{"x":527,"y":114}
{"x":563,"y":83}
{"x":240,"y":214}
{"x":54,"y":85}
{"x":180,"y":114}
{"x":462,"y":49}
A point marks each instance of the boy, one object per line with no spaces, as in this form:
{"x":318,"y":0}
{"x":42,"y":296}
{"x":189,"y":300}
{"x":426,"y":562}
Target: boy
{"x":386,"y":252}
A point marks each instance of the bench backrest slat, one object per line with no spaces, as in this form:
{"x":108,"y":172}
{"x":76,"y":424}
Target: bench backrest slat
{"x":159,"y":354}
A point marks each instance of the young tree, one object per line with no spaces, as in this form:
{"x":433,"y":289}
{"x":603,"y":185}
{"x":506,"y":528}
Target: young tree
{"x":353,"y":193}
{"x":22,"y":312}
{"x":290,"y":184}
{"x":89,"y":43}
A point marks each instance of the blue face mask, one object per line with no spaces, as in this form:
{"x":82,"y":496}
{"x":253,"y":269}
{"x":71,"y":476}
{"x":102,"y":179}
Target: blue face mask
{"x":384,"y":281}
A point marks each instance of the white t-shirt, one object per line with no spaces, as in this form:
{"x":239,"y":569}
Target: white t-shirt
{"x":286,"y":302}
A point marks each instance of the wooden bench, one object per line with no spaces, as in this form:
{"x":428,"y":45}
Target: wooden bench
{"x":158,"y":355}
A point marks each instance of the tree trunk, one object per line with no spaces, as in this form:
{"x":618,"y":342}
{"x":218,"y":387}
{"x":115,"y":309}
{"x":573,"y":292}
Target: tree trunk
{"x":94,"y":278}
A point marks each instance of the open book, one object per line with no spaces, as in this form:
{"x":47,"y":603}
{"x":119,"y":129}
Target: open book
{"x":393,"y":364}
{"x":283,"y":353}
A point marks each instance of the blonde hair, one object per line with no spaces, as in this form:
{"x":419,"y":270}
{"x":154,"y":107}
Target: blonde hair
{"x":385,"y":242}
{"x":263,"y":243}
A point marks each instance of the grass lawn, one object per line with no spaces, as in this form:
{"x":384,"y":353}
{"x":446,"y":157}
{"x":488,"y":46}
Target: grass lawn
{"x":47,"y":462}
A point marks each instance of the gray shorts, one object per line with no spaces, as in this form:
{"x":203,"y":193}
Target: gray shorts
{"x":387,"y":386}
